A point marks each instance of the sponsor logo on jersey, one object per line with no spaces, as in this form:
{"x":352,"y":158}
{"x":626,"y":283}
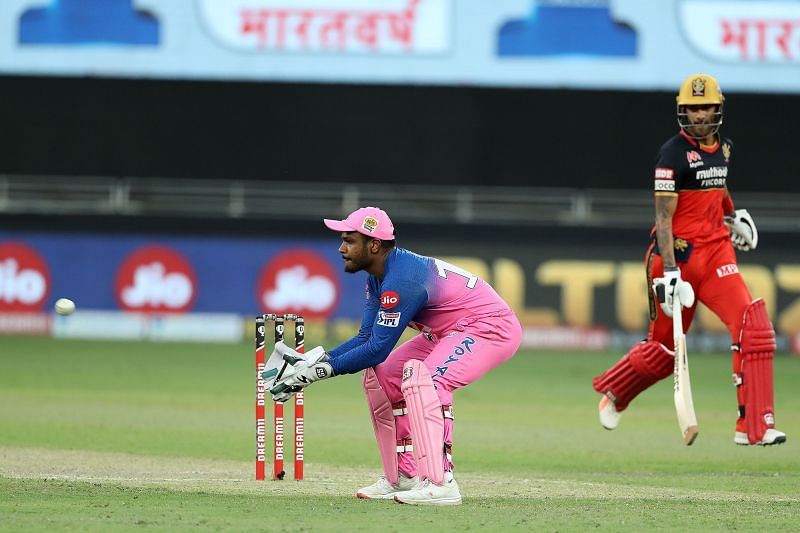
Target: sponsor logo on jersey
{"x":389,"y":320}
{"x":712,"y":177}
{"x":692,"y":156}
{"x":389,"y":299}
{"x":665,"y":185}
{"x":713,"y":172}
{"x":663,"y":173}
{"x":727,"y":270}
{"x":695,"y":160}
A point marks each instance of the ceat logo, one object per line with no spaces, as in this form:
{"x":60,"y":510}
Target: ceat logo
{"x":298,"y":281}
{"x":389,"y":299}
{"x":156,"y":279}
{"x":24,"y":278}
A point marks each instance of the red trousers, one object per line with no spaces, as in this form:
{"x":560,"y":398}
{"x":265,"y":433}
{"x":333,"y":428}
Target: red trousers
{"x":714,"y":275}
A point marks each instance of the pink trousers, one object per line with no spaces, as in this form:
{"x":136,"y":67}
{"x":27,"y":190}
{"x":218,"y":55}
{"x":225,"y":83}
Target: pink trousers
{"x":455,"y":360}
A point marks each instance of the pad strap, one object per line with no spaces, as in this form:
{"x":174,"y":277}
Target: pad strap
{"x":405,"y":445}
{"x":399,"y":408}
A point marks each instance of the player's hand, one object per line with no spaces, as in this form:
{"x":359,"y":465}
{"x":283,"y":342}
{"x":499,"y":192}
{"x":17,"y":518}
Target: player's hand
{"x":668,"y":287}
{"x":276,"y":364}
{"x":744,"y":234}
{"x":283,"y":397}
{"x":302,"y":371}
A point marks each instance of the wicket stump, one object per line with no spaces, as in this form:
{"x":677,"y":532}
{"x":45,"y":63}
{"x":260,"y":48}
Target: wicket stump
{"x":278,"y":443}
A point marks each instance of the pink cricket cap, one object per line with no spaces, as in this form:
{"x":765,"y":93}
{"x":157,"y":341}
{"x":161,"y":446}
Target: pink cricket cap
{"x":370,"y":221}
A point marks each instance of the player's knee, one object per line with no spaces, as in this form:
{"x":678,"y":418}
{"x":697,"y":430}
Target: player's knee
{"x":652,"y":360}
{"x":757,"y":334}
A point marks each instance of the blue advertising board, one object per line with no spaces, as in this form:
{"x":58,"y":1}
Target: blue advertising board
{"x":177,"y":274}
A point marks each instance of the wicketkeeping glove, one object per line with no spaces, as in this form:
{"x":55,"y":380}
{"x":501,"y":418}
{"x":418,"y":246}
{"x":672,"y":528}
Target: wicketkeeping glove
{"x":303,"y":370}
{"x":670,"y":285}
{"x":744,"y":234}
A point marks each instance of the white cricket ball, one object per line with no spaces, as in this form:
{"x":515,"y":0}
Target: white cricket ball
{"x":64,"y":306}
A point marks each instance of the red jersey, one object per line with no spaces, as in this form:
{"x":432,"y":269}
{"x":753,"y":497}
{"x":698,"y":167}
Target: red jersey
{"x":697,"y":176}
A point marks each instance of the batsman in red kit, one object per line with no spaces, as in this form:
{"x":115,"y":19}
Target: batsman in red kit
{"x":692,"y":253}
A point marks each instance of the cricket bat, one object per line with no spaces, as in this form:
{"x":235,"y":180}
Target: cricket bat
{"x":684,"y":406}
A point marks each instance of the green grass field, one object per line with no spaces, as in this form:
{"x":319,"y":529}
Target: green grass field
{"x":128,"y":436}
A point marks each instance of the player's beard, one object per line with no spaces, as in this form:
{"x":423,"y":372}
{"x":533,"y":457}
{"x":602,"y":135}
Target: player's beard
{"x":701,"y":129}
{"x":355,"y":264}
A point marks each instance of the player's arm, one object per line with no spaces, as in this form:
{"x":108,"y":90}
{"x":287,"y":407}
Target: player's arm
{"x":666,"y":204}
{"x":367,"y":320}
{"x":727,"y":203}
{"x":671,"y":284}
{"x":387,"y":328}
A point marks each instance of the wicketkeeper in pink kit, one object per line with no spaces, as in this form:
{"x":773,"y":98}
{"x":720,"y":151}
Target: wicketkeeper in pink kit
{"x":466,"y":330}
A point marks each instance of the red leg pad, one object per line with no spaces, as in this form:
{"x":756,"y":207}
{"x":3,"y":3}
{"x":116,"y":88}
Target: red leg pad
{"x":645,"y":364}
{"x":757,"y":342}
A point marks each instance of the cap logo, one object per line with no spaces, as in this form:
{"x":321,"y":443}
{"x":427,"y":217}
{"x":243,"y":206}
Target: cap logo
{"x":698,"y":87}
{"x":370,"y":224}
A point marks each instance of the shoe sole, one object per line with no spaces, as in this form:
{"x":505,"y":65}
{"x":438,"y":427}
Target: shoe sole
{"x":778,"y":440}
{"x":441,"y":501}
{"x":362,"y":496}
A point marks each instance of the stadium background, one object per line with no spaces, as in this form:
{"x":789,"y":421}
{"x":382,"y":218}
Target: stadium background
{"x":517,"y":176}
{"x":166,"y":165}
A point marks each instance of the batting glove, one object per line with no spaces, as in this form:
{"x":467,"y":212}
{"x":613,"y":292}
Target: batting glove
{"x":671,"y":286}
{"x":744,"y":234}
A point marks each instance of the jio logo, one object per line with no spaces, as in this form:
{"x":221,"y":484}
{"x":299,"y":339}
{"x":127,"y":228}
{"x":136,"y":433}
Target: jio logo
{"x":156,"y":279}
{"x":389,"y":299}
{"x":24,"y":278}
{"x":298,"y":281}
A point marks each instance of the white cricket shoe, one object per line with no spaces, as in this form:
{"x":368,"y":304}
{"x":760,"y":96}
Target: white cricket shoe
{"x":383,"y":490}
{"x":771,"y":436}
{"x":429,"y":493}
{"x":609,"y":416}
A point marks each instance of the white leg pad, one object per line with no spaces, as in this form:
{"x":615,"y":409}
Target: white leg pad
{"x":426,"y":420}
{"x":383,"y":422}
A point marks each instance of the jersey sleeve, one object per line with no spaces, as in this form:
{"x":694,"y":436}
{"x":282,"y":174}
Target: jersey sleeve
{"x":367,"y":319}
{"x":667,"y":172}
{"x":398,"y":303}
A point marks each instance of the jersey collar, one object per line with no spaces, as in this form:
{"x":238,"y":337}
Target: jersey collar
{"x":694,"y":143}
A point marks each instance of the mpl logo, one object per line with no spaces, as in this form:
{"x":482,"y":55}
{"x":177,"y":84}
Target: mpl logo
{"x":298,"y":281}
{"x":727,"y":270}
{"x":156,"y":279}
{"x":24,"y":278}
